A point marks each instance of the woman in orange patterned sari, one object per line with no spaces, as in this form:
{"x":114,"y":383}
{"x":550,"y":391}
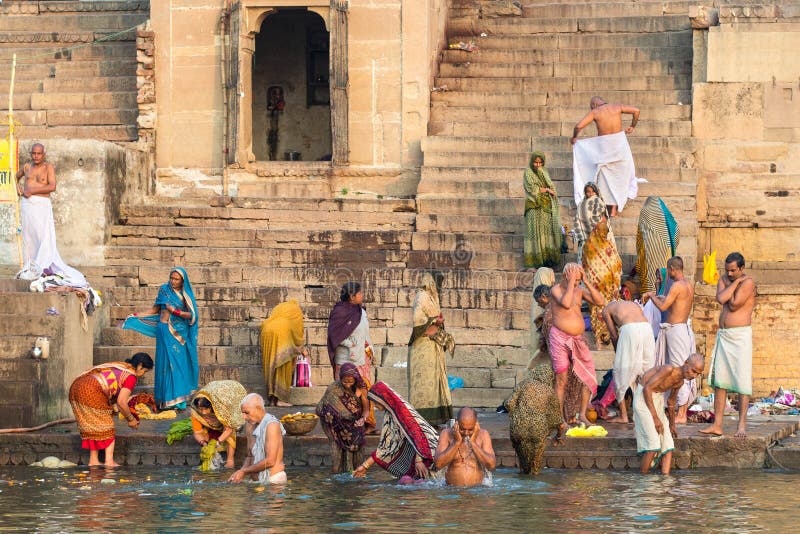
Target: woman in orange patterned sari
{"x":93,"y":396}
{"x":599,"y":256}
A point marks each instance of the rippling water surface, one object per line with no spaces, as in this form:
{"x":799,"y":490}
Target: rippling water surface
{"x":184,"y":500}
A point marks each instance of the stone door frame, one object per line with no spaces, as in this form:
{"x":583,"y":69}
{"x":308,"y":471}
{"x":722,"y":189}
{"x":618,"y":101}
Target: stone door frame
{"x":334,"y":14}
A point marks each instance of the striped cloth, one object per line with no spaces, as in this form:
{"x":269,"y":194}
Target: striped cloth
{"x":657,"y":239}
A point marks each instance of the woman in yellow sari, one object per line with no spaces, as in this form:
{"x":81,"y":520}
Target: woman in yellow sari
{"x":428,"y":390}
{"x":281,"y":341}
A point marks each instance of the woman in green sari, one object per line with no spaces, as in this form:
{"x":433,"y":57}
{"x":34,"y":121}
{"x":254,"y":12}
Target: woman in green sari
{"x":542,"y":245}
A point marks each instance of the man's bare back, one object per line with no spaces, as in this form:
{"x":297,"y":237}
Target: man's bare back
{"x":624,"y":312}
{"x":607,"y":118}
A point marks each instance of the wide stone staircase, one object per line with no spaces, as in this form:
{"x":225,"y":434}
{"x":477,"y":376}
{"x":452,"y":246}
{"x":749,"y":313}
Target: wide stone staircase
{"x":67,"y":85}
{"x":523,"y":89}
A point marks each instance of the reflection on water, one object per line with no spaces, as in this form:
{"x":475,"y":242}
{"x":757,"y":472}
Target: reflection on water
{"x":184,"y":500}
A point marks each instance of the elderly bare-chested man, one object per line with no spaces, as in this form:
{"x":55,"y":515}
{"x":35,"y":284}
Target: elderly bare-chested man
{"x":634,"y":348}
{"x":732,"y":361}
{"x":606,"y":159}
{"x":655,"y":431}
{"x":676,"y":339}
{"x":465,"y":450}
{"x":264,"y":462}
{"x":565,"y":339}
{"x":35,"y":181}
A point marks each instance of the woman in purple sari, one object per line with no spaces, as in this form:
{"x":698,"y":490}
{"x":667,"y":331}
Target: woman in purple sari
{"x":172,"y":321}
{"x":342,"y":411}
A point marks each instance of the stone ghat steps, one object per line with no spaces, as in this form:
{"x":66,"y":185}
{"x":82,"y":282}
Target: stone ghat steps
{"x":191,"y":236}
{"x":490,"y":158}
{"x":562,"y":83}
{"x":470,"y":25}
{"x":556,"y":147}
{"x":612,"y":69}
{"x":506,"y":182}
{"x":72,"y":23}
{"x":564,"y":97}
{"x":444,"y":112}
{"x":555,"y":128}
{"x":246,"y":207}
{"x":585,"y":41}
{"x":680,"y":176}
{"x":546,"y":55}
{"x":122,"y":277}
{"x":545,"y":10}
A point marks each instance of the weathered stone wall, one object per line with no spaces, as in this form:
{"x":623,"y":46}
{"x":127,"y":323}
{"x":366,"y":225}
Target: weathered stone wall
{"x":746,"y":117}
{"x":93,"y":179}
{"x":391,"y":64}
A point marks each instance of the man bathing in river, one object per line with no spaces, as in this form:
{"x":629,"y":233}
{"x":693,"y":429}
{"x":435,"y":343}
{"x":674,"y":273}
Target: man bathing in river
{"x":654,"y":430}
{"x":565,"y":339}
{"x":732,"y":361}
{"x":676,"y":339}
{"x":264,"y":462}
{"x":465,"y":450}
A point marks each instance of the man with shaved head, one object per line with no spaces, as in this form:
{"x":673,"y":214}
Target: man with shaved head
{"x":264,"y":462}
{"x":606,"y":159}
{"x":35,"y":181}
{"x":465,"y":450}
{"x":655,"y":431}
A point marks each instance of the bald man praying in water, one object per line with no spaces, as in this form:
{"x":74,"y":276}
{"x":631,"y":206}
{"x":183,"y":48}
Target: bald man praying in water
{"x":465,"y":450}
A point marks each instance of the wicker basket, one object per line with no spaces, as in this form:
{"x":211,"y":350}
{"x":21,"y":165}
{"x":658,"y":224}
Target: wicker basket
{"x":301,"y":426}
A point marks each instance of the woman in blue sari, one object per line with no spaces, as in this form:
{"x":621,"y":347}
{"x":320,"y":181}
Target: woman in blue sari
{"x":172,"y":321}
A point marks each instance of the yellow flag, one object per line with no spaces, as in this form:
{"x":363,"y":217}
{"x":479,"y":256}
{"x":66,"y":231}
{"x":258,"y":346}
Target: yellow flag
{"x":8,"y":171}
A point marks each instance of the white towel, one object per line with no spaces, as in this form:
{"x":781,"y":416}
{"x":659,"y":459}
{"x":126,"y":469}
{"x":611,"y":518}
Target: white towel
{"x":732,"y":362}
{"x":674,"y":345}
{"x":39,"y":237}
{"x":606,"y":160}
{"x":634,"y":355}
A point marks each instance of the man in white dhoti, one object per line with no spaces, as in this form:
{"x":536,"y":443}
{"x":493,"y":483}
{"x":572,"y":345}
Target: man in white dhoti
{"x":655,"y":431}
{"x":264,"y":462}
{"x":633,"y":342}
{"x":676,"y":340}
{"x":38,"y":228}
{"x":732,"y":360}
{"x":606,"y":159}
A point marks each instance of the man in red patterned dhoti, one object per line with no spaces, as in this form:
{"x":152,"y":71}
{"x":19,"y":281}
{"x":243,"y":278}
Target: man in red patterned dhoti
{"x":567,"y":344}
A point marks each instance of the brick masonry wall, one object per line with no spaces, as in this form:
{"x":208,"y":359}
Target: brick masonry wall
{"x":775,"y":334}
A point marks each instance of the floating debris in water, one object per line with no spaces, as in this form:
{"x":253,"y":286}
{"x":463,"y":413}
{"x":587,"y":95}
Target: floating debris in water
{"x":259,"y":489}
{"x":108,"y":481}
{"x":186,"y":491}
{"x":85,"y":488}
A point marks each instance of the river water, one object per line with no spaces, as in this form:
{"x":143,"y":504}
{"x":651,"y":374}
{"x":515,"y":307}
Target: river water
{"x":185,"y":500}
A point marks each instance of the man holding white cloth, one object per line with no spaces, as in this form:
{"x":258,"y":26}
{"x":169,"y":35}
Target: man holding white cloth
{"x":606,"y":159}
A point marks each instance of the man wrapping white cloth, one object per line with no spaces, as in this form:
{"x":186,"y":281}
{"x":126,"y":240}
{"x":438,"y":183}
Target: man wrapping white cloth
{"x":40,"y":252}
{"x":606,"y":159}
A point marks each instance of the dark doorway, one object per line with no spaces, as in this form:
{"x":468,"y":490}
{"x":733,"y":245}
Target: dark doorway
{"x":291,"y":88}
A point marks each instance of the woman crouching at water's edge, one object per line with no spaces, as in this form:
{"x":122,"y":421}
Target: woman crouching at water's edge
{"x":93,"y":396}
